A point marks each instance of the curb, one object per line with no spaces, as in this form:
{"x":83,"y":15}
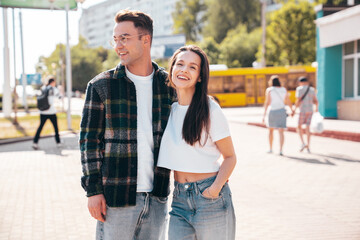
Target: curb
{"x":28,"y":138}
{"x":355,"y":137}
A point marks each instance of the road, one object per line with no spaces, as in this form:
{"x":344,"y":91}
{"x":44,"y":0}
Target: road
{"x":298,"y":196}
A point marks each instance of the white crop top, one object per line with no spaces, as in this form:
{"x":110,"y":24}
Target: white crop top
{"x":176,"y":154}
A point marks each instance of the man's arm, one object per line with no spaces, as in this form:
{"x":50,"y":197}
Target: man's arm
{"x":316,"y":102}
{"x":92,"y":128}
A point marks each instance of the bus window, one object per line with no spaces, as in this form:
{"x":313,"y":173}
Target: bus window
{"x":215,"y":85}
{"x":234,"y":84}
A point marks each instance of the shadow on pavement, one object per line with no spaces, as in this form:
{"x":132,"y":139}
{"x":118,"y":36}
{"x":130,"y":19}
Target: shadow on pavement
{"x":339,"y":157}
{"x":312,"y":160}
{"x":46,"y":145}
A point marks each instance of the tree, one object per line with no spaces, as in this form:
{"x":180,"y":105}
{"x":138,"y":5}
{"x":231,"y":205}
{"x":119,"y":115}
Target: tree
{"x":212,"y":50}
{"x":239,"y":47}
{"x":188,"y":18}
{"x":225,"y":15}
{"x":86,"y":63}
{"x":291,"y":34}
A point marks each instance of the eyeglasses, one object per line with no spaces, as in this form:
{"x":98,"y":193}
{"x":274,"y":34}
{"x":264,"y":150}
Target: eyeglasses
{"x":123,"y":39}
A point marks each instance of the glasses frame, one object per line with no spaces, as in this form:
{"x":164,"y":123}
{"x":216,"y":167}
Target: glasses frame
{"x":123,"y":39}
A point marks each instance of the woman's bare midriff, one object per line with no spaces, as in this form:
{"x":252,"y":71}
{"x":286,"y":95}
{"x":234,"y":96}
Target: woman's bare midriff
{"x":184,"y":177}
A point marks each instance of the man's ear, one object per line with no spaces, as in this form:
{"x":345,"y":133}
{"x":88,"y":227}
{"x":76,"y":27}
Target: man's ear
{"x":147,"y":38}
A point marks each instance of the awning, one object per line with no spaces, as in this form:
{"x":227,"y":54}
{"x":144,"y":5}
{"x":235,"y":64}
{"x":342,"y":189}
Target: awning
{"x":340,"y":27}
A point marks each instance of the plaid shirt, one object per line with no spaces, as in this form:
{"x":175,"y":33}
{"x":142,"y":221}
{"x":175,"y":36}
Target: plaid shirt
{"x":108,"y":136}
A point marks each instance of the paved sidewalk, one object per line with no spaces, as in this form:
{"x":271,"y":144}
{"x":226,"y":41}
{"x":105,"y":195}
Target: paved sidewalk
{"x":335,"y":128}
{"x":299,"y":196}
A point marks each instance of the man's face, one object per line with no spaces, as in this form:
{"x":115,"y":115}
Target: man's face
{"x":129,"y":43}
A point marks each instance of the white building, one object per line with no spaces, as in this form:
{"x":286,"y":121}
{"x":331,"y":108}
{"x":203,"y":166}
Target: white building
{"x":97,"y":22}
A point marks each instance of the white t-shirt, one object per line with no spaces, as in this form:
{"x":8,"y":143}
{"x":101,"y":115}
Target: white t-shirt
{"x":177,"y":155}
{"x":145,"y":141}
{"x":53,"y":93}
{"x":277,"y":95}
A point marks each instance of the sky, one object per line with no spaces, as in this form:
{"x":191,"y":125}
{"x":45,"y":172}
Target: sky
{"x":42,"y":30}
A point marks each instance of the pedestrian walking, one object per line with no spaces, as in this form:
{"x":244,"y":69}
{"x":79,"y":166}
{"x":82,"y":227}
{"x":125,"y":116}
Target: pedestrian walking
{"x":195,"y":137}
{"x":125,"y":113}
{"x":277,"y":98}
{"x":305,"y":99}
{"x":50,"y":113}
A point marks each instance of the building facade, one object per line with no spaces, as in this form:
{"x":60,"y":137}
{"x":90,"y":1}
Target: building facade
{"x":338,"y":57}
{"x":97,"y":22}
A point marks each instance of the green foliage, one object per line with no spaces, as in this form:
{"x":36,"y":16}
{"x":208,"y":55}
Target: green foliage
{"x":239,"y":47}
{"x":86,"y":63}
{"x":212,"y":50}
{"x":291,"y":35}
{"x":188,"y":18}
{"x":225,"y":15}
{"x":111,"y":61}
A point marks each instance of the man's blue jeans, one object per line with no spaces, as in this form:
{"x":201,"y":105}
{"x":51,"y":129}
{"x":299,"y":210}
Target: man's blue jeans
{"x":194,"y":216}
{"x":145,"y":221}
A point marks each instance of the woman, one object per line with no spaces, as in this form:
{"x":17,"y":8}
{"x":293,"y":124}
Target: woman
{"x":196,"y":135}
{"x":48,"y":114}
{"x":276,"y":97}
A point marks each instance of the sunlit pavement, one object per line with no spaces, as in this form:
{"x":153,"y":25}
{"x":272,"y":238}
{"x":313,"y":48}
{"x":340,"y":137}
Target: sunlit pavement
{"x":295,"y":196}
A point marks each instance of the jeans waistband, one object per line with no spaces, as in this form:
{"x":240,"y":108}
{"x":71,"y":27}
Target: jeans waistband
{"x":194,"y":186}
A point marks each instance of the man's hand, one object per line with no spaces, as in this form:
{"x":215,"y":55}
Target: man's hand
{"x":97,"y":207}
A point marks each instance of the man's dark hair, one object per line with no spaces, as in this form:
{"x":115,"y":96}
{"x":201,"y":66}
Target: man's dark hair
{"x":302,"y":79}
{"x":51,"y":80}
{"x":141,"y":20}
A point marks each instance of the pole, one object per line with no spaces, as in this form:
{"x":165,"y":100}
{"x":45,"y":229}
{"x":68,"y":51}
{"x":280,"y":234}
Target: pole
{"x":68,"y":68}
{"x":23,"y":76}
{"x":263,"y":39}
{"x":6,"y":86}
{"x":15,"y":94}
{"x":62,"y":78}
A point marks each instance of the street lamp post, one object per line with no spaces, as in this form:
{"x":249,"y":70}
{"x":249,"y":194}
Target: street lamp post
{"x":68,"y":63}
{"x":68,"y":69}
{"x":263,"y":39}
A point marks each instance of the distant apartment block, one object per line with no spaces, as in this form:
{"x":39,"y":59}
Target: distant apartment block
{"x":97,"y":22}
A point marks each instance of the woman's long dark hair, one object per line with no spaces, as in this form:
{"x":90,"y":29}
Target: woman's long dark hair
{"x":197,"y":117}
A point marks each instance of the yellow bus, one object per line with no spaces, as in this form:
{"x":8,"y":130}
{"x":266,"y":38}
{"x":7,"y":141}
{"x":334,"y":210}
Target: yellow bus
{"x":246,"y":86}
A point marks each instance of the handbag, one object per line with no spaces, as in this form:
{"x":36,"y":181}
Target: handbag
{"x":317,"y":123}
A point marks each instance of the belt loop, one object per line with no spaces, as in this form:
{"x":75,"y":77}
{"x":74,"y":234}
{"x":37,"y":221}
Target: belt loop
{"x":196,"y":187}
{"x":176,"y":189}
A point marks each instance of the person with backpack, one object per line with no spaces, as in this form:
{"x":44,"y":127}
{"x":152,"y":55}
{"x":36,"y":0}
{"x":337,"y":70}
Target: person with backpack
{"x":51,"y":92}
{"x":305,"y":98}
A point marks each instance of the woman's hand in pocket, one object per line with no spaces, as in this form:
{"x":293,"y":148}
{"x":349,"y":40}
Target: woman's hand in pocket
{"x":209,"y":193}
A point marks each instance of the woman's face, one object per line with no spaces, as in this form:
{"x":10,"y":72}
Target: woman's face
{"x":186,"y":70}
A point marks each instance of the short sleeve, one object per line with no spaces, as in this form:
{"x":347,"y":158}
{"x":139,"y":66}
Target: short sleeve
{"x":219,"y":127}
{"x":297,"y":92}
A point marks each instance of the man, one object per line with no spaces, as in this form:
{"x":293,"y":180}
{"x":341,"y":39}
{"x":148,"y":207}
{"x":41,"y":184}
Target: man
{"x":125,"y":113}
{"x":305,"y":98}
{"x":50,"y":113}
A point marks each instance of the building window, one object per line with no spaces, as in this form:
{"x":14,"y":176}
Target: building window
{"x":351,"y":70}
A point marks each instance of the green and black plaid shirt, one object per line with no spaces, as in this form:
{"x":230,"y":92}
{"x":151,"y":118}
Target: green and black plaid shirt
{"x":108,"y":136}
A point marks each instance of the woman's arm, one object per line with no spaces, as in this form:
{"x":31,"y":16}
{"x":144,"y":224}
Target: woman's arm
{"x":288,"y":102}
{"x":266,"y":103}
{"x":226,"y":148}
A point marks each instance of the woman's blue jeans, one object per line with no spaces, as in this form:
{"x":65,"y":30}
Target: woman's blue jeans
{"x":194,"y":216}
